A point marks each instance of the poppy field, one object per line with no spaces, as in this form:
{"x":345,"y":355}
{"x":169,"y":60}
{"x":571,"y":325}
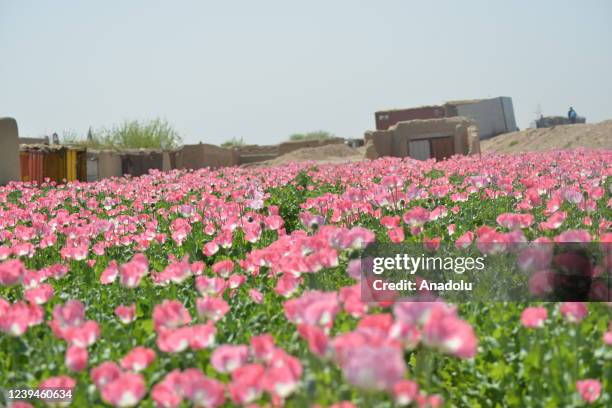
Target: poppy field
{"x":240,"y":287}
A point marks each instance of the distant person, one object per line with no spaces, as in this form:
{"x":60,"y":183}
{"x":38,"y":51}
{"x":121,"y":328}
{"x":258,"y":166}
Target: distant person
{"x":572,"y":115}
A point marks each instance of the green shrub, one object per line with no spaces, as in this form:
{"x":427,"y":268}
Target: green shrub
{"x":233,"y":142}
{"x":153,"y":134}
{"x":316,"y":135}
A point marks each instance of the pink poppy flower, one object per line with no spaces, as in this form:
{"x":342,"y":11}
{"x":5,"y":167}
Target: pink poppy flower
{"x":431,"y":244}
{"x":246,"y":384}
{"x":574,"y":312}
{"x":236,"y":280}
{"x":534,"y":317}
{"x":390,"y":222}
{"x":262,"y":347}
{"x":318,"y":342}
{"x":138,"y":359}
{"x":542,"y":283}
{"x":514,"y":221}
{"x":104,"y":374}
{"x":589,"y":390}
{"x":223,"y":268}
{"x":210,"y":248}
{"x":574,"y":236}
{"x":396,"y":234}
{"x":84,"y":335}
{"x":607,"y":337}
{"x":16,"y":318}
{"x":554,"y":221}
{"x":197,"y":268}
{"x":125,"y":391}
{"x":126,"y":314}
{"x":374,"y":368}
{"x":20,"y":404}
{"x":201,"y":390}
{"x":465,"y":240}
{"x":202,"y":336}
{"x":313,"y":308}
{"x":213,"y":308}
{"x":343,"y":404}
{"x":287,"y":285}
{"x":132,"y":272}
{"x":174,"y":340}
{"x":256,"y":296}
{"x":62,"y":382}
{"x":408,"y":335}
{"x":214,"y":286}
{"x":110,"y":273}
{"x":450,"y":335}
{"x":76,"y":358}
{"x":170,"y":314}
{"x":227,"y":358}
{"x":11,"y":272}
{"x":168,"y":393}
{"x":405,"y":392}
{"x":40,"y":294}
{"x":416,"y":216}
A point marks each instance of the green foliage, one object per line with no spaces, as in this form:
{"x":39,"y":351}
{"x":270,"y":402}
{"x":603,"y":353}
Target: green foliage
{"x":233,"y":142}
{"x":316,"y":135}
{"x":134,"y":134}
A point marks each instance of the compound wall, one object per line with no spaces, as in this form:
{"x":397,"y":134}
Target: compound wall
{"x":386,"y":119}
{"x":288,"y":147}
{"x":9,"y":151}
{"x":206,"y":155}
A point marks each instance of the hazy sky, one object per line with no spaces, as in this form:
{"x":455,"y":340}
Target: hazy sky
{"x":262,"y":70}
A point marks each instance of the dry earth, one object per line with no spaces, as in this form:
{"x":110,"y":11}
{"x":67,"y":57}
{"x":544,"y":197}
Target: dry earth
{"x":333,"y":153}
{"x":590,"y":135}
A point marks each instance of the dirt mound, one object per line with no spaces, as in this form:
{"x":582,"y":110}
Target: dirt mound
{"x":594,"y":136}
{"x":333,"y":153}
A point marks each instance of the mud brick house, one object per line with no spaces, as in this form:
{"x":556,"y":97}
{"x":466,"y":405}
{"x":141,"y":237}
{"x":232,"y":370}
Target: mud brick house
{"x":493,"y":116}
{"x":425,"y":139}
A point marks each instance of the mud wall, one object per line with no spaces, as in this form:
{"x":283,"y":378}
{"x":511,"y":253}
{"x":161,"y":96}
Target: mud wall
{"x":288,"y":147}
{"x":206,"y":155}
{"x":460,"y":133}
{"x":9,"y":151}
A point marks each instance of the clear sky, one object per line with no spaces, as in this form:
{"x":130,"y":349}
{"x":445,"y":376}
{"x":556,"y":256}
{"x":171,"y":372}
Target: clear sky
{"x":262,"y":70}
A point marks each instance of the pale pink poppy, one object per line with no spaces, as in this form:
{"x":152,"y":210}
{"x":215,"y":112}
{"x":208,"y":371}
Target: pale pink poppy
{"x":534,"y":317}
{"x":405,"y":392}
{"x":213,"y":308}
{"x":11,"y":272}
{"x":104,"y":373}
{"x":213,"y":286}
{"x":125,"y":391}
{"x":227,"y":358}
{"x":589,"y":390}
{"x":202,"y":336}
{"x":374,"y":368}
{"x":138,"y":359}
{"x":126,"y":314}
{"x":573,"y":312}
{"x":256,"y":296}
{"x":76,"y":358}
{"x":170,"y":314}
{"x":450,"y":335}
{"x":246,"y":384}
{"x":201,"y":390}
{"x":223,"y":268}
